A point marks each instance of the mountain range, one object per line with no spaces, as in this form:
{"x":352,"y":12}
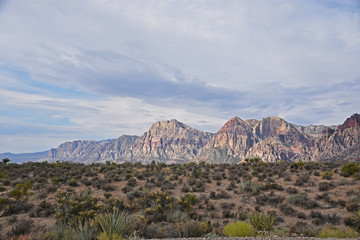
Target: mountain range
{"x":270,"y":139}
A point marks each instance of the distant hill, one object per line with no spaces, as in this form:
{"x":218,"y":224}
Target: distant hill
{"x":23,"y":157}
{"x":270,"y":139}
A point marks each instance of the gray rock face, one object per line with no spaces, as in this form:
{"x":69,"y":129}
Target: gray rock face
{"x":91,"y":151}
{"x":169,"y":141}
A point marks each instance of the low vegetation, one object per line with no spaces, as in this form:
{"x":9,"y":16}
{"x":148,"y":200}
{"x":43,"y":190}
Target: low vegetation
{"x":66,"y":200}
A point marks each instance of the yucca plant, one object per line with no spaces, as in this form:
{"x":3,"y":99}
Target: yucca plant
{"x":356,"y":217}
{"x":114,"y":225}
{"x":261,"y":222}
{"x":83,"y":232}
{"x":256,"y":220}
{"x":269,"y":222}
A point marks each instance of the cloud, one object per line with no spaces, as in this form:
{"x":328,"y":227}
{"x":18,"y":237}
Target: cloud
{"x":97,"y":69}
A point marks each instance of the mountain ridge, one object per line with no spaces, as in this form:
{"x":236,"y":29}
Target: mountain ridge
{"x":270,"y":139}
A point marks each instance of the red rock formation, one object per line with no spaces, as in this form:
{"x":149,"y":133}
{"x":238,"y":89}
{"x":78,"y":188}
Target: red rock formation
{"x":351,"y":122}
{"x":169,"y":141}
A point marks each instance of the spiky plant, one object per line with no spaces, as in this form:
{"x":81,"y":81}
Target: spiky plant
{"x":256,"y":220}
{"x":356,"y":217}
{"x":114,"y":225}
{"x":83,"y":232}
{"x":269,"y":222}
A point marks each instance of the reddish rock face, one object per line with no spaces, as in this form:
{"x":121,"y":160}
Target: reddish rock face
{"x":351,"y":122}
{"x":271,"y":139}
{"x":328,"y":131}
{"x":340,"y":144}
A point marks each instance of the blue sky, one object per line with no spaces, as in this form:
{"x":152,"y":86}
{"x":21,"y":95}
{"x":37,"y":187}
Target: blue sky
{"x":97,"y":69}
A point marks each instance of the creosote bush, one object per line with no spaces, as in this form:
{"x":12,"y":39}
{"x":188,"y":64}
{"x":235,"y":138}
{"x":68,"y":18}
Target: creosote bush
{"x":239,"y":229}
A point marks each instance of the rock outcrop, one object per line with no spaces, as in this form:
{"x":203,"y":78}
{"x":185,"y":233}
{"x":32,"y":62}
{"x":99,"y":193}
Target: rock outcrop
{"x":169,"y":141}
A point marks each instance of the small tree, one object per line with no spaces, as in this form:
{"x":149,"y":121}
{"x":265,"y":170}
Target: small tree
{"x":6,"y":160}
{"x":17,"y":196}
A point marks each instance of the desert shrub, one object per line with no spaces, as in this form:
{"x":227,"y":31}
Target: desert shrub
{"x":191,"y":181}
{"x":333,"y":218}
{"x":302,"y":228}
{"x":301,"y":215}
{"x":72,"y":207}
{"x":131,"y":182}
{"x":239,"y":229}
{"x":17,"y":200}
{"x":287,"y":210}
{"x":72,"y":182}
{"x":188,"y":201}
{"x":241,"y":215}
{"x":251,"y":187}
{"x":324,"y":186}
{"x":356,"y":219}
{"x":273,"y":186}
{"x":195,"y":229}
{"x":162,"y":230}
{"x":292,"y":190}
{"x":298,"y":199}
{"x":223,"y":194}
{"x":21,"y":227}
{"x":353,"y":207}
{"x":349,"y":169}
{"x":59,"y":232}
{"x":333,"y":232}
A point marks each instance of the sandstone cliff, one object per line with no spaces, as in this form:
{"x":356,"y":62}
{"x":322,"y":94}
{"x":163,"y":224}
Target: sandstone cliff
{"x":340,"y":144}
{"x":169,"y":141}
{"x":91,"y":151}
{"x":270,"y":139}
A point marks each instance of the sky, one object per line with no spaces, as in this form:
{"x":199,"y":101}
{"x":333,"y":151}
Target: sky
{"x":97,"y":69}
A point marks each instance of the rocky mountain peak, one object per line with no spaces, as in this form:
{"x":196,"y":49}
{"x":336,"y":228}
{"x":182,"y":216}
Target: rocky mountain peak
{"x":235,"y":126}
{"x":170,"y":140}
{"x":171,"y":128}
{"x":351,"y":122}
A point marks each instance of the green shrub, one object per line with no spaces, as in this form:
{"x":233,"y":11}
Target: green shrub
{"x":239,"y":229}
{"x":350,"y":169}
{"x":337,"y":233}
